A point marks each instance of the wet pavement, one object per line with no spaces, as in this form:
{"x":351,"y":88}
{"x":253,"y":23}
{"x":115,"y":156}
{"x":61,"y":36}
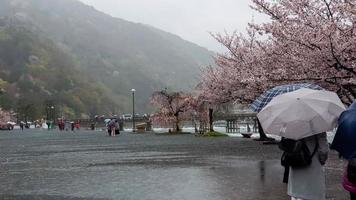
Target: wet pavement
{"x":85,"y":165}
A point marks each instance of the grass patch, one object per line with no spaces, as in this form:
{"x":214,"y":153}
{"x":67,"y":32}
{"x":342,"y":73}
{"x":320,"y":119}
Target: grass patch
{"x":214,"y":134}
{"x":173,"y":133}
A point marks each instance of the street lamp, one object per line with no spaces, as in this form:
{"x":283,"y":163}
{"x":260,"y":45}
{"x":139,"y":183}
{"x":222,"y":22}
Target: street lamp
{"x":52,"y":111}
{"x":47,"y":113}
{"x":50,"y":116}
{"x":133,"y":110}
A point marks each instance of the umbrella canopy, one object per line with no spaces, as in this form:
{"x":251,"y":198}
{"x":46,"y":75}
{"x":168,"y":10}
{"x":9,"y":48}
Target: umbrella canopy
{"x":301,"y":113}
{"x":113,"y":121}
{"x":107,"y":120}
{"x":345,"y":138}
{"x":266,"y":97}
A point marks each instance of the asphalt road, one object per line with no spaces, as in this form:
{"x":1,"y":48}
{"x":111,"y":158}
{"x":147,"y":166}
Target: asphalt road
{"x":85,"y":165}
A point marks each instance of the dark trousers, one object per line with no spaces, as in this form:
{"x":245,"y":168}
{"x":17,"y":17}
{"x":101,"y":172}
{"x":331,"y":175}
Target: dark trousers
{"x":286,"y":175}
{"x":353,"y":196}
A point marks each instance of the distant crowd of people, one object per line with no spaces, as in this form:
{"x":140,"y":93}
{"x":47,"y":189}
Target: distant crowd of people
{"x":61,"y":124}
{"x":112,"y":125}
{"x":65,"y":125}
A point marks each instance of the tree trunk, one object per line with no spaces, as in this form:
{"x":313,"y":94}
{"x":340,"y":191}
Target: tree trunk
{"x":263,"y":136}
{"x":260,"y":130}
{"x":177,"y":127}
{"x":177,"y":124}
{"x":211,"y":127}
{"x":195,"y":126}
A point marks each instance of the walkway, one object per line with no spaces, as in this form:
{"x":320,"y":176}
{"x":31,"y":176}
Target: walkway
{"x":90,"y":165}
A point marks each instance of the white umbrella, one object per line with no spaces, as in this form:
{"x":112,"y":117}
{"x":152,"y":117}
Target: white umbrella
{"x":301,"y":113}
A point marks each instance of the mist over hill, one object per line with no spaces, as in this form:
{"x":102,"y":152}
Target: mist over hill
{"x":108,"y":55}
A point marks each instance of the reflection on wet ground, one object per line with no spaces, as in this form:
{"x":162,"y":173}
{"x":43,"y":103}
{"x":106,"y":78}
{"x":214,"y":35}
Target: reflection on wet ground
{"x":90,"y":165}
{"x":45,"y":197}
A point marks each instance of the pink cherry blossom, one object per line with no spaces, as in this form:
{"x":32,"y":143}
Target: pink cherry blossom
{"x":5,"y":116}
{"x":304,"y":41}
{"x":172,"y":108}
{"x":313,"y":40}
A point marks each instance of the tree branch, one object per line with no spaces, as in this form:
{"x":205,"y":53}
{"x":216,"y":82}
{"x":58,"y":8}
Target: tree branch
{"x":339,"y":64}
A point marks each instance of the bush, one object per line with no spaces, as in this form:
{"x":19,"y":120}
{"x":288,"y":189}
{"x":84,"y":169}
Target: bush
{"x":214,"y":134}
{"x":173,"y":133}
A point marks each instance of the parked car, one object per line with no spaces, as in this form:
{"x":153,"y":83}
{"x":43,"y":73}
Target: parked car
{"x":126,"y":116}
{"x":7,"y":126}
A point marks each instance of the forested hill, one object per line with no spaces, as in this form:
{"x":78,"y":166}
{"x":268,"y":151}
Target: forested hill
{"x":113,"y":54}
{"x":35,"y":73}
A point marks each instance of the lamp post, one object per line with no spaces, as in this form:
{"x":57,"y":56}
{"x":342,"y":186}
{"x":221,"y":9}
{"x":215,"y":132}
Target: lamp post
{"x":52,"y":111}
{"x":47,"y":113}
{"x":50,"y":116}
{"x":133,"y":110}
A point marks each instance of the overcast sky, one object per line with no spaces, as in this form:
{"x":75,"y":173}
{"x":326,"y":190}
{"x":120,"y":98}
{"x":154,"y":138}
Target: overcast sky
{"x":190,"y":19}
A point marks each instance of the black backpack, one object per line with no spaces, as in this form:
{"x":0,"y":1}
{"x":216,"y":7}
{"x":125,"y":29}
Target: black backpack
{"x":351,"y":171}
{"x":296,"y":153}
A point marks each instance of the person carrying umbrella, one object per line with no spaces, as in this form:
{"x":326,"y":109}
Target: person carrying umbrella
{"x":345,"y":143}
{"x":117,"y":127}
{"x":108,"y":128}
{"x":111,"y":127}
{"x":72,"y":126}
{"x":267,"y":96}
{"x":308,"y":182}
{"x":302,"y":117}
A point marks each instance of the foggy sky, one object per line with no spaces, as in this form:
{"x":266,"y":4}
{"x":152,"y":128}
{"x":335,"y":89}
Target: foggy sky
{"x":190,"y":19}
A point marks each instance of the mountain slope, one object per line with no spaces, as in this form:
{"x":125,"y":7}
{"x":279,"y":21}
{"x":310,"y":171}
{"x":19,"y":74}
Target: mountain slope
{"x":35,"y":72}
{"x":116,"y":53}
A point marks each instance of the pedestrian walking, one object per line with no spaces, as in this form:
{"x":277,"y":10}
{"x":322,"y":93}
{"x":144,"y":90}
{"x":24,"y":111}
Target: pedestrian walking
{"x":77,"y":125}
{"x":302,"y":118}
{"x":345,"y":143}
{"x":48,"y":125}
{"x":21,"y":125}
{"x":117,"y":127}
{"x":308,"y":182}
{"x":92,"y":126}
{"x":109,"y":130}
{"x":67,"y":124}
{"x":72,"y":125}
{"x":111,"y":127}
{"x":349,"y":181}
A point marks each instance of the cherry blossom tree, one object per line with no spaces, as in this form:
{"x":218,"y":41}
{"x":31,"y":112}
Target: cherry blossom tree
{"x":240,"y":73}
{"x":305,"y":41}
{"x":173,"y":107}
{"x":312,"y":40}
{"x":4,"y":116}
{"x":199,"y":107}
